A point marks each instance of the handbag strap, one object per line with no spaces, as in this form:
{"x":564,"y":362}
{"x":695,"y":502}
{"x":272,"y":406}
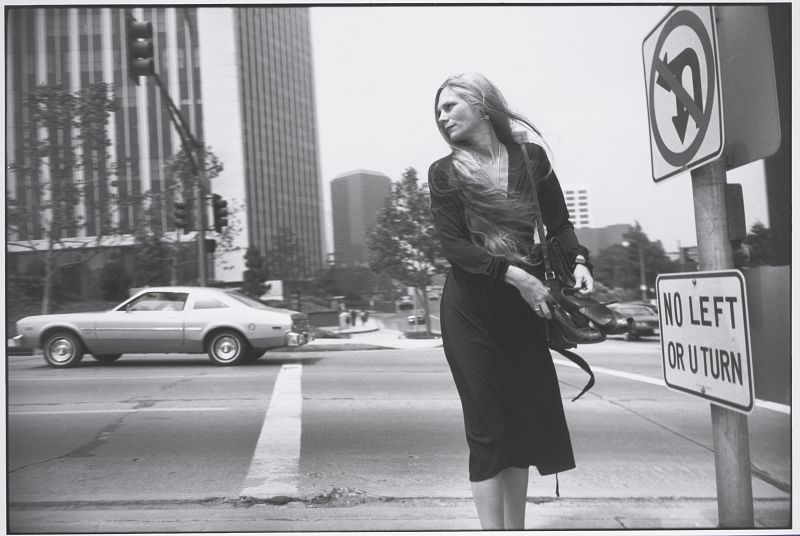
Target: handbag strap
{"x":578,"y":360}
{"x":538,"y":222}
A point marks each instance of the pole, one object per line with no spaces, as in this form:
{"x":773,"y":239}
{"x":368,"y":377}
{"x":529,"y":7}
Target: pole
{"x":201,"y":216}
{"x":731,"y":441}
{"x":642,"y":278}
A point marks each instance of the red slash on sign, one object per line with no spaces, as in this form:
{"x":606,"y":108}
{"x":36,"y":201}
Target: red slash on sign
{"x":670,"y":77}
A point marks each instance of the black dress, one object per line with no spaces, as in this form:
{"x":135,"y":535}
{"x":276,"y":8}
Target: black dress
{"x":493,"y":340}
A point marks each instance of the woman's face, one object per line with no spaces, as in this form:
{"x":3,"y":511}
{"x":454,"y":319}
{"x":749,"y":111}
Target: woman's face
{"x":456,"y":117}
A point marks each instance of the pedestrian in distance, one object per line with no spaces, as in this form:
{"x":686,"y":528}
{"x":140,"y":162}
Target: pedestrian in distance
{"x":494,"y":303}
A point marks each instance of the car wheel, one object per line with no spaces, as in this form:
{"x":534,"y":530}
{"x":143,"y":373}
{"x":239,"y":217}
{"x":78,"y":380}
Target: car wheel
{"x":62,"y":349}
{"x":227,"y":348}
{"x":106,"y":358}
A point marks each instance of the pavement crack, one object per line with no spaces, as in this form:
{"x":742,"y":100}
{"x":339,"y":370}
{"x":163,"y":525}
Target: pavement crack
{"x":84,"y":451}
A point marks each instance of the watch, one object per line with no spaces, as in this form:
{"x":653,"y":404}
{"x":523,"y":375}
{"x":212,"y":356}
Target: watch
{"x":580,"y":259}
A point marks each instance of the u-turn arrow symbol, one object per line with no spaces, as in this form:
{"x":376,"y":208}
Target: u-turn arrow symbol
{"x":672,"y":81}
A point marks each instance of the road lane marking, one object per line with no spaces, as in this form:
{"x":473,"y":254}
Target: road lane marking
{"x":274,"y":469}
{"x":773,"y":406}
{"x":131,"y":410}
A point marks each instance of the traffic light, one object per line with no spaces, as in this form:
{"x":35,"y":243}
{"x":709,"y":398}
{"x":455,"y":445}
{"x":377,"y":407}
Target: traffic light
{"x":180,"y":216}
{"x":140,"y":49}
{"x":220,"y":212}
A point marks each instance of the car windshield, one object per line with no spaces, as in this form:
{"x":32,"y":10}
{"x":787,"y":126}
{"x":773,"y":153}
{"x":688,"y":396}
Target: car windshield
{"x":635,"y":310}
{"x":250,"y":302}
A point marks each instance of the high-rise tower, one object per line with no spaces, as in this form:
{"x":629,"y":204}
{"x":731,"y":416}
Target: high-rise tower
{"x":356,"y":200}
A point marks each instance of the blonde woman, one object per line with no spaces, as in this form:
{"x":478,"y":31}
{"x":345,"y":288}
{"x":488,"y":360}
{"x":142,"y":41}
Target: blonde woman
{"x":494,"y":301}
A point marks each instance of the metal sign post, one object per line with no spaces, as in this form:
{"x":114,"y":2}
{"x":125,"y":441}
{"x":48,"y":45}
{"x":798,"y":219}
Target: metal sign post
{"x":731,"y":440}
{"x":711,"y":103}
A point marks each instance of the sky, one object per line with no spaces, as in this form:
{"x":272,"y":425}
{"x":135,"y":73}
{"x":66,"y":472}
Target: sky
{"x":576,"y":71}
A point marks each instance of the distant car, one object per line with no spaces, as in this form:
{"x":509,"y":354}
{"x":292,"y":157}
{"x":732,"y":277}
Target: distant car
{"x":405,"y":303}
{"x":230,"y":327}
{"x":417,"y":318}
{"x":645,"y":320}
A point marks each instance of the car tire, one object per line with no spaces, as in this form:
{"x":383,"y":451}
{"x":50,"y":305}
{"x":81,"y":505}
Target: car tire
{"x":227,"y":347}
{"x":106,"y":358}
{"x":62,"y":349}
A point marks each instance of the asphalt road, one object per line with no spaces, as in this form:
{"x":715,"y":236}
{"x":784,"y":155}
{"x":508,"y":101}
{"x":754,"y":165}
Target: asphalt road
{"x":339,"y":428}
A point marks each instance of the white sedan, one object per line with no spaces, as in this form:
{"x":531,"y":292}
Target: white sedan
{"x":230,"y":327}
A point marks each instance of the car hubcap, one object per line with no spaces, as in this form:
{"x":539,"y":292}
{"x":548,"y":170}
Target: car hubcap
{"x":62,"y":350}
{"x":226,"y":348}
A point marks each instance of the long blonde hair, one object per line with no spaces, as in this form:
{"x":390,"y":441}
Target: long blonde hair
{"x":500,"y":223}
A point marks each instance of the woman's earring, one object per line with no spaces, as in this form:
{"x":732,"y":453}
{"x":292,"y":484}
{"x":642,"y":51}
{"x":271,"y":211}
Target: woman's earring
{"x":486,"y":116}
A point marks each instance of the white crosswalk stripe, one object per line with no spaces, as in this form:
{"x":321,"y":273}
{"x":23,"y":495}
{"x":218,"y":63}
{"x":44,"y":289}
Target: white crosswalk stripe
{"x":274,"y":469}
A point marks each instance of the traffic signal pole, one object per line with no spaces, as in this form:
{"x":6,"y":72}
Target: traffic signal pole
{"x":141,"y":63}
{"x":197,"y":162}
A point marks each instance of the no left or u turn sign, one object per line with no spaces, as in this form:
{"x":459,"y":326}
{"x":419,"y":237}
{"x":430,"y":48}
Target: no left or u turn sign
{"x":683,"y":91}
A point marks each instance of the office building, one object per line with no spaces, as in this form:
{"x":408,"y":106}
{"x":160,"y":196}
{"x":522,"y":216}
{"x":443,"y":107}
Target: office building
{"x":242,"y":78}
{"x":356,"y":200}
{"x":577,"y":196}
{"x":258,"y":92}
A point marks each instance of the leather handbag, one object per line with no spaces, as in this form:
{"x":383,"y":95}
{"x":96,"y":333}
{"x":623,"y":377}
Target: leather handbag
{"x":576,"y":318}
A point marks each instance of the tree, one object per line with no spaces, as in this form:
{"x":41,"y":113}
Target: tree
{"x":255,"y":273}
{"x":181,"y":169}
{"x":63,"y":164}
{"x":403,"y":243}
{"x":759,"y":245}
{"x":114,"y":280}
{"x":618,"y":265}
{"x":286,"y":259}
{"x":154,"y":260}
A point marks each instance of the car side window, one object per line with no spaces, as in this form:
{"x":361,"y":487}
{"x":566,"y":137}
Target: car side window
{"x":159,"y":301}
{"x":209,"y":303}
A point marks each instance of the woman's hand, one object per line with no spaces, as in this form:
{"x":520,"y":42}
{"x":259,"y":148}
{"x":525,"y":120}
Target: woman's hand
{"x":583,"y":279}
{"x":533,"y":291}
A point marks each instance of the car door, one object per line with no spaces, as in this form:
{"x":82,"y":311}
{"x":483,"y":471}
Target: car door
{"x":151,"y":323}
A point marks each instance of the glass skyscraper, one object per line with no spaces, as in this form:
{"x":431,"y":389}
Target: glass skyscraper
{"x":242,"y":78}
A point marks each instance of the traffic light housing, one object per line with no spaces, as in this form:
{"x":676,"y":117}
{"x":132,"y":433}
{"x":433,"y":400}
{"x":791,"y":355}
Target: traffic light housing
{"x":220,"y":207}
{"x":140,"y":49}
{"x":180,"y":216}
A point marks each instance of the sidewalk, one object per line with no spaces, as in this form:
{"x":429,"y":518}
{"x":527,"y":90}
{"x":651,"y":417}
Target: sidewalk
{"x":379,"y":514}
{"x":374,"y":334}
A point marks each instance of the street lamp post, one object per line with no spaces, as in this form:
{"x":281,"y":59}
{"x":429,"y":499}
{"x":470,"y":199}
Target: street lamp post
{"x":642,"y":278}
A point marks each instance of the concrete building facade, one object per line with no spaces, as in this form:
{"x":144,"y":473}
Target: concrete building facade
{"x":578,"y":198}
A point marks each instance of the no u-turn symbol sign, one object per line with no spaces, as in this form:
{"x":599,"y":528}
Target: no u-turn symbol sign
{"x":683,"y":91}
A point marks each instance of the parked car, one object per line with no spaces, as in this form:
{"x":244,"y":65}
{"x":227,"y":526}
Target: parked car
{"x":645,"y":320}
{"x":405,"y":303}
{"x":418,"y":318}
{"x":230,"y":327}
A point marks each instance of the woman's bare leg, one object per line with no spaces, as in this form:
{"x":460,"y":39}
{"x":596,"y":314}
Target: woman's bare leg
{"x":488,"y":496}
{"x":515,"y":497}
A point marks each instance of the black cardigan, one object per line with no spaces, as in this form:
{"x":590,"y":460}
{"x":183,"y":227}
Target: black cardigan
{"x":450,"y":224}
